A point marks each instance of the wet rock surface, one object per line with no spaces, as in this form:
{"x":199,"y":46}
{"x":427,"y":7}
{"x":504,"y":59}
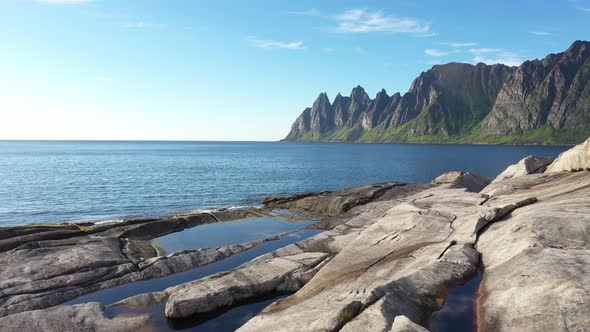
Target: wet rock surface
{"x":224,"y":289}
{"x":39,"y":273}
{"x":400,"y":264}
{"x":83,"y":317}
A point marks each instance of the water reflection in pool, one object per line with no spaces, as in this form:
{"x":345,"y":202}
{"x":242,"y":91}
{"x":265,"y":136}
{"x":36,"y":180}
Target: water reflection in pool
{"x":224,"y":233}
{"x":220,"y":321}
{"x":115,"y":294}
{"x":459,"y":313}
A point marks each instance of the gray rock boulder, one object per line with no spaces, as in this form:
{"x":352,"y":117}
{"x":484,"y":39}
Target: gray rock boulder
{"x":457,"y":179}
{"x":537,"y":260}
{"x":397,"y":265}
{"x":39,"y":274}
{"x":43,"y":274}
{"x":331,"y":203}
{"x":574,"y":159}
{"x":224,"y":289}
{"x":528,"y":165}
{"x":84,"y":317}
{"x":404,"y":324}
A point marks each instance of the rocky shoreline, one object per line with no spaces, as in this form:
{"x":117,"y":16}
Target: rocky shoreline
{"x":389,"y":255}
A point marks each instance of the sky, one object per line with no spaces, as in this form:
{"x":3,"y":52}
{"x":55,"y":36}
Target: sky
{"x":241,"y":70}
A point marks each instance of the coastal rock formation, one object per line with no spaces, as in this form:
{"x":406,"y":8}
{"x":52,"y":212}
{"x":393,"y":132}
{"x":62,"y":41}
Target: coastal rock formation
{"x":404,"y":324}
{"x":58,"y":266}
{"x":390,"y":255}
{"x":222,"y":290}
{"x":331,"y":203}
{"x":528,"y":165}
{"x":457,"y":179}
{"x":399,"y":265}
{"x":575,"y":159}
{"x":140,"y":229}
{"x":61,"y":270}
{"x":93,"y":257}
{"x":41,"y":273}
{"x":83,"y":317}
{"x":536,"y":261}
{"x":540,"y":101}
{"x":345,"y":227}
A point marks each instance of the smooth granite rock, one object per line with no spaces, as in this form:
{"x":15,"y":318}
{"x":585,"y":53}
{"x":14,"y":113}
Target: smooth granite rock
{"x":528,"y":165}
{"x":330,"y":203}
{"x":448,"y":177}
{"x":405,"y":257}
{"x":224,"y":289}
{"x":574,"y":159}
{"x":346,"y":227}
{"x":43,"y":274}
{"x":83,"y":317}
{"x":404,"y":324}
{"x":457,"y":179}
{"x":537,"y":261}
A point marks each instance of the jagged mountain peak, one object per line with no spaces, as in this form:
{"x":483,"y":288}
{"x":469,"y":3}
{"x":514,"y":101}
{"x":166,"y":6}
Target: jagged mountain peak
{"x":578,"y":46}
{"x":357,"y":92}
{"x":461,"y":101}
{"x":382,"y":93}
{"x":323,"y":96}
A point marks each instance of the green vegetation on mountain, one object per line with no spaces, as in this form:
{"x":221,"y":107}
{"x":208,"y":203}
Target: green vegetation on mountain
{"x":540,"y":102}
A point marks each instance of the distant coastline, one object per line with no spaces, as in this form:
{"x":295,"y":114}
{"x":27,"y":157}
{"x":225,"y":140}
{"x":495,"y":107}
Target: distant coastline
{"x":430,"y":143}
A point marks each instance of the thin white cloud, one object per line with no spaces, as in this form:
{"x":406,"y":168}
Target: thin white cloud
{"x":460,"y":45}
{"x":486,"y":55}
{"x":269,"y":43}
{"x":362,"y":21}
{"x":103,"y":78}
{"x":541,"y":33}
{"x":581,"y":5}
{"x":484,"y":50}
{"x":141,"y":25}
{"x":504,"y":57}
{"x":435,"y":52}
{"x":62,"y":2}
{"x":430,"y":34}
{"x":309,"y":12}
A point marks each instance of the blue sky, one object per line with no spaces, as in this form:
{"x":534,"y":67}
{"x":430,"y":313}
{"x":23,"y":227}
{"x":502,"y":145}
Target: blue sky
{"x":241,"y":70}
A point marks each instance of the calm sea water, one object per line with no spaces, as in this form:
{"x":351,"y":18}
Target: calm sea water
{"x":50,"y":181}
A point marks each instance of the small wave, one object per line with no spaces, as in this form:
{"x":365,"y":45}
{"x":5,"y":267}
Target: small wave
{"x":227,"y":208}
{"x":110,"y":221}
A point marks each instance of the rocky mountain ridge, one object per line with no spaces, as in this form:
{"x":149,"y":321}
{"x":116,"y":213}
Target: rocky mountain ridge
{"x":541,"y":101}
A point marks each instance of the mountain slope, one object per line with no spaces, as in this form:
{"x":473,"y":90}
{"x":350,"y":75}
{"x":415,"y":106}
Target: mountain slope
{"x":541,"y":101}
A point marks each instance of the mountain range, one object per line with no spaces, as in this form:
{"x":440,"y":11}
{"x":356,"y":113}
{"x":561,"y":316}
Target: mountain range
{"x":539,"y":102}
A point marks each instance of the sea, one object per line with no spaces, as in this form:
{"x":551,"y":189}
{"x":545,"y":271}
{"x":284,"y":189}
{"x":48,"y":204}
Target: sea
{"x":104,"y":181}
